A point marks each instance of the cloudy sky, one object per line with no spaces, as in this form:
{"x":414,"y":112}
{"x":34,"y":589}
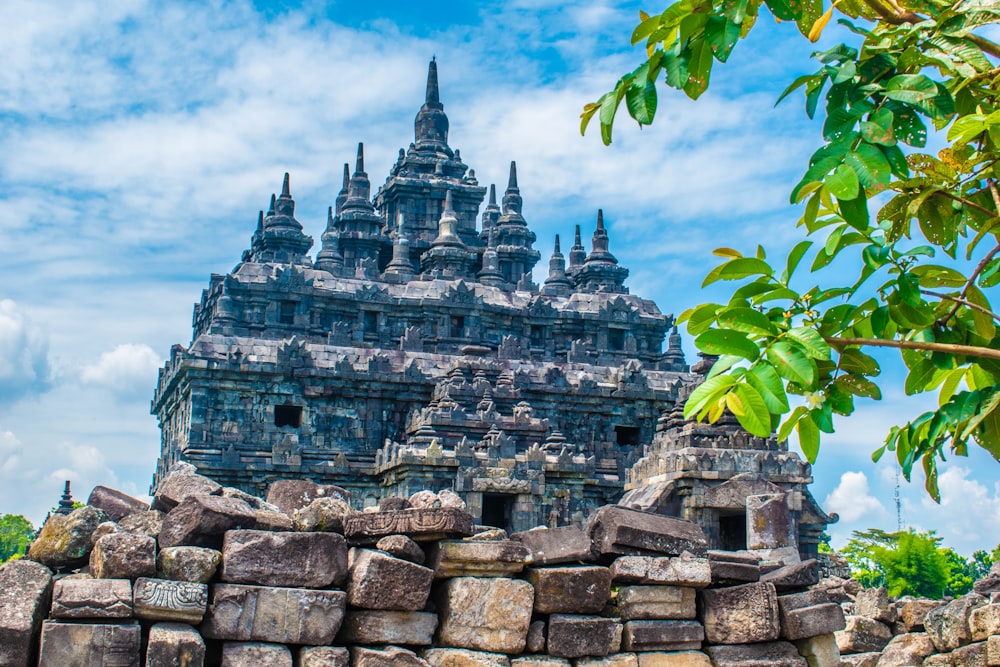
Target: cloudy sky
{"x":138,"y":140}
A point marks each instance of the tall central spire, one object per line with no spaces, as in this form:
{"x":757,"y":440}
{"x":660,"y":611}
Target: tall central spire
{"x":430,"y":128}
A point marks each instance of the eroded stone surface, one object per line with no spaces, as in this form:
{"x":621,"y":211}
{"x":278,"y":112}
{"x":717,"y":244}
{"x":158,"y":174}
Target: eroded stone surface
{"x":662,"y":635}
{"x":911,"y":613}
{"x":485,"y":614}
{"x":290,"y":495}
{"x":477,"y":558}
{"x":201,"y":521}
{"x":874,"y":603}
{"x":740,"y":614}
{"x":819,"y":651}
{"x":683,"y":570}
{"x":390,"y":656}
{"x":380,"y":581}
{"x":174,"y":645}
{"x":25,"y":592}
{"x":418,"y":524}
{"x":299,"y":560}
{"x":68,"y":644}
{"x":92,"y":598}
{"x":323,"y":515}
{"x":615,"y":660}
{"x":554,"y":546}
{"x":582,"y":589}
{"x":403,"y":547}
{"x":196,"y":564}
{"x":795,"y":576}
{"x":573,"y":636}
{"x":618,"y":530}
{"x":323,"y":656}
{"x":65,"y":540}
{"x":180,"y":484}
{"x":166,"y":600}
{"x":656,"y":602}
{"x":116,"y":504}
{"x":283,"y":615}
{"x":459,"y":657}
{"x":143,"y":523}
{"x":123,"y":556}
{"x":948,"y":626}
{"x":770,"y":654}
{"x":908,"y":649}
{"x":410,"y":628}
{"x":984,"y":621}
{"x":254,"y":654}
{"x":862,"y":635}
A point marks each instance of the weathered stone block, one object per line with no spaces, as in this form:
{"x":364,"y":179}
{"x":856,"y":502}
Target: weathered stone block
{"x":196,"y":564}
{"x":273,"y":521}
{"x":123,"y":556}
{"x":984,"y":621}
{"x":295,"y":494}
{"x":769,"y":522}
{"x":582,"y":589}
{"x":613,"y":660}
{"x":795,"y":576}
{"x":683,"y":570}
{"x":65,"y":540}
{"x":993,"y":651}
{"x":116,"y":505}
{"x":862,"y":635}
{"x":553,"y":546}
{"x":536,"y":638}
{"x":460,"y":657}
{"x":25,"y":592}
{"x":252,"y":654}
{"x":66,"y":644}
{"x":323,"y":656}
{"x":410,"y":628}
{"x":911,"y":613}
{"x":174,"y":645}
{"x":656,"y":602}
{"x":770,"y":654}
{"x":283,"y":615}
{"x":729,"y":573}
{"x":821,"y":619}
{"x":165,"y":600}
{"x":92,"y":598}
{"x":296,"y":560}
{"x":485,"y":614}
{"x":539,"y":661}
{"x":970,"y":655}
{"x":460,"y":558}
{"x":674,"y":659}
{"x":861,"y":659}
{"x":908,"y":649}
{"x":390,"y":656}
{"x":380,"y":581}
{"x":948,"y":626}
{"x":322,"y":515}
{"x":819,"y":651}
{"x":662,"y":636}
{"x":403,"y":547}
{"x":181,"y":484}
{"x":419,"y":524}
{"x":201,"y":521}
{"x":571,"y":636}
{"x":618,"y":530}
{"x":874,"y":603}
{"x":937,"y":660}
{"x":143,"y":523}
{"x":741,"y":614}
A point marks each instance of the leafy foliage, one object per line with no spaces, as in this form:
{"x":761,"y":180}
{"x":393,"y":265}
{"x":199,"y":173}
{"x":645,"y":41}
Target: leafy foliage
{"x":925,"y":262}
{"x":16,"y":533}
{"x":912,"y":563}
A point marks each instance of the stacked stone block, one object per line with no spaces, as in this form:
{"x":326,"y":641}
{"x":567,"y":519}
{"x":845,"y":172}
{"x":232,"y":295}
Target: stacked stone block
{"x":414,"y":583}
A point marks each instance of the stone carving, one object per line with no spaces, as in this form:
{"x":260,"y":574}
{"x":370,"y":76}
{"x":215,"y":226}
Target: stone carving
{"x":501,"y":485}
{"x":419,"y":524}
{"x":281,"y":615}
{"x":92,"y":598}
{"x":165,"y":600}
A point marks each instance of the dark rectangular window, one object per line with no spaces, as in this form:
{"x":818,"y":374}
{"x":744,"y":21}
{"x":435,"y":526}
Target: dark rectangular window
{"x":732,"y":531}
{"x":497,"y":509}
{"x":287,"y":315}
{"x":537,"y":336}
{"x":616,"y":339}
{"x":288,"y":415}
{"x":627,"y":435}
{"x":370,"y":321}
{"x":457,"y":326}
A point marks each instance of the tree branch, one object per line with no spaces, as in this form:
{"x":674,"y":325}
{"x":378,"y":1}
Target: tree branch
{"x":966,"y":202}
{"x":979,"y":267}
{"x":963,"y":302}
{"x":949,"y":348}
{"x":986,"y":45}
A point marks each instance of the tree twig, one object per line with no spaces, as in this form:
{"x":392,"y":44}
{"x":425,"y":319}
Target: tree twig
{"x":949,"y":348}
{"x":979,"y":267}
{"x":962,"y":302}
{"x":966,"y":202}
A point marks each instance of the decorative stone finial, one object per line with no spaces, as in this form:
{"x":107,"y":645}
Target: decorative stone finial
{"x":431,"y":123}
{"x":286,"y":190}
{"x":359,"y":164}
{"x":66,"y":501}
{"x":577,"y":254}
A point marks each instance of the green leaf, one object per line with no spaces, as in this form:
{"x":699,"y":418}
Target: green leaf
{"x":700,"y":318}
{"x":769,"y":385}
{"x":699,"y":69}
{"x":908,"y":127}
{"x":910,"y":88}
{"x":722,"y":34}
{"x":792,"y":363}
{"x":808,"y":438}
{"x":782,"y":9}
{"x":920,"y":376}
{"x":870,"y":165}
{"x":878,"y":129}
{"x":932,"y":275}
{"x":795,"y":256}
{"x":640,"y":97}
{"x":746,"y":320}
{"x":984,"y":322}
{"x":811,"y":340}
{"x":706,"y":393}
{"x":860,"y":386}
{"x":748,"y":406}
{"x":727,"y":341}
{"x":855,"y":361}
{"x":745,"y":266}
{"x":842,"y":182}
{"x":787,"y":426}
{"x":855,"y":211}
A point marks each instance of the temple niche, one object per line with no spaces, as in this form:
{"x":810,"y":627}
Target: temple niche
{"x":417,"y":351}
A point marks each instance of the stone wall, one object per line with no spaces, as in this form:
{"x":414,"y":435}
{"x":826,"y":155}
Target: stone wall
{"x":212,"y":576}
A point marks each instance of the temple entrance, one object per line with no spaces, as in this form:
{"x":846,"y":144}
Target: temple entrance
{"x":732,"y":530}
{"x":497,"y":509}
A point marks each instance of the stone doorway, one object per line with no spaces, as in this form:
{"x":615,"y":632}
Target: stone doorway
{"x":497,"y":510}
{"x":732,"y":530}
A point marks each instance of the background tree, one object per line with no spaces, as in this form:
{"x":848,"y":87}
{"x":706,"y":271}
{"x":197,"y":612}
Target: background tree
{"x":924,"y":262}
{"x":16,"y":533}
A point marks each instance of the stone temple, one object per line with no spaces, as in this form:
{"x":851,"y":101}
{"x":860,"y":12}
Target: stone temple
{"x":415,"y":352}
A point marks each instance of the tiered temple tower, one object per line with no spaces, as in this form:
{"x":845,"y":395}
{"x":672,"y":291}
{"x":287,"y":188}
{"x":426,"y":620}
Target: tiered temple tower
{"x":416,"y":352}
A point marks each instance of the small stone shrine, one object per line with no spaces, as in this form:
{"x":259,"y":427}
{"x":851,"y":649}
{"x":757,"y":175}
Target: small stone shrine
{"x":416,"y":353}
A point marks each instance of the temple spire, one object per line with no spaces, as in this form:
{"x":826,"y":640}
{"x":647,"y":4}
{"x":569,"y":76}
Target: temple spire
{"x":557,"y":284}
{"x":433,"y":97}
{"x":359,"y":165}
{"x":577,"y":254}
{"x":430,"y":127}
{"x":512,"y":197}
{"x":286,"y":190}
{"x":342,"y":195}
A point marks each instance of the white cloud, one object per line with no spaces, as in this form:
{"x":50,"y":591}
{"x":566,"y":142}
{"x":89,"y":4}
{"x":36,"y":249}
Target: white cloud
{"x":968,"y":517}
{"x":24,"y":354}
{"x":128,"y":371}
{"x":10,"y":452}
{"x":853,"y":501}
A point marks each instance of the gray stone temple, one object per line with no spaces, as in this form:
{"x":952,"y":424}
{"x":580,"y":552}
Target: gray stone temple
{"x":416,"y":352}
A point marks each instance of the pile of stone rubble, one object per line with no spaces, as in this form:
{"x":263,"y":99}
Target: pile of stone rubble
{"x":212,"y":576}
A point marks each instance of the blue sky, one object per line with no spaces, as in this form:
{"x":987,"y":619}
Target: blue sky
{"x":139,"y":139}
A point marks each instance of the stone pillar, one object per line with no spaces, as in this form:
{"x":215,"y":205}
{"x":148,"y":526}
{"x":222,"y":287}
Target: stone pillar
{"x":769,"y":523}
